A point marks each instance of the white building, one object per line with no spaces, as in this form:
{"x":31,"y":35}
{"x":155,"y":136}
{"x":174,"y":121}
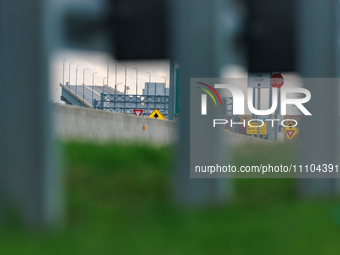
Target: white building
{"x":155,"y":88}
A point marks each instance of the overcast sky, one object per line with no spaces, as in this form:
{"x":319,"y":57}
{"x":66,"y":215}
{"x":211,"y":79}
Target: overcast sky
{"x":96,"y":62}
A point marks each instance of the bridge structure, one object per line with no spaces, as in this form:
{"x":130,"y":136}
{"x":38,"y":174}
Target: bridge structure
{"x":109,"y":99}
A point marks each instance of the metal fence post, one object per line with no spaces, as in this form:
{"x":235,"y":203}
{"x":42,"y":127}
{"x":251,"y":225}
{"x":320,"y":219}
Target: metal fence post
{"x":254,"y":104}
{"x":194,"y":24}
{"x":171,"y":107}
{"x":258,"y":107}
{"x":28,"y":166}
{"x":269,"y":126}
{"x":318,"y":54}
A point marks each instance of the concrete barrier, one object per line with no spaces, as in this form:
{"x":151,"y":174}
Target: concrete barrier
{"x":72,"y":122}
{"x":235,"y":139}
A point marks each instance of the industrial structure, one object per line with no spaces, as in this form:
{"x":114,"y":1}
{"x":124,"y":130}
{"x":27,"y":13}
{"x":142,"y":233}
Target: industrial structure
{"x":109,"y":99}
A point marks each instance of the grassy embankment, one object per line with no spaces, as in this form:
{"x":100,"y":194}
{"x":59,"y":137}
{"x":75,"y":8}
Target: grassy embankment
{"x":118,"y":202}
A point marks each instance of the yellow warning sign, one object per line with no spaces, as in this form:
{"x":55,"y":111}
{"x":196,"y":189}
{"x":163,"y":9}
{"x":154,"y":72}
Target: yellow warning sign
{"x":252,"y":129}
{"x":291,"y":131}
{"x":156,"y":115}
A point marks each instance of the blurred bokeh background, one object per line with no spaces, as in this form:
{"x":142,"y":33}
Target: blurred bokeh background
{"x":126,"y":189}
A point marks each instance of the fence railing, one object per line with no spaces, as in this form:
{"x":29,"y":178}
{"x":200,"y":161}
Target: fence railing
{"x":127,"y":103}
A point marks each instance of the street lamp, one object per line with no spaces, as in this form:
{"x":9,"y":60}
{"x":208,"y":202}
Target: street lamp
{"x":108,"y":71}
{"x":84,"y":83}
{"x":118,"y":84}
{"x":76,"y":76}
{"x":115,"y":74}
{"x":136,"y":80}
{"x":149,"y":76}
{"x":69,"y":74}
{"x":103,"y":83}
{"x":93,"y":86}
{"x":147,"y":90}
{"x":125,"y":80}
{"x":164,"y":85}
{"x":64,"y":70}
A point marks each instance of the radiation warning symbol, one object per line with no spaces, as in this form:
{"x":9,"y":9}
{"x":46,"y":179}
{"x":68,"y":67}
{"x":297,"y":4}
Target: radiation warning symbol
{"x":291,"y":131}
{"x":156,"y":115}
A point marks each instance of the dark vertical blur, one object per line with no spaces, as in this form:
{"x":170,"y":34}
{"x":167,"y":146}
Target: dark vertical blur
{"x":139,"y":29}
{"x":31,"y":181}
{"x":271,"y":35}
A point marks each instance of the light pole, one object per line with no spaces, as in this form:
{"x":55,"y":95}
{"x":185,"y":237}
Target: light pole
{"x":125,"y":80}
{"x":76,"y":77}
{"x":164,"y":85}
{"x":164,"y":90}
{"x":69,"y":74}
{"x":64,"y":70}
{"x":103,"y":83}
{"x":84,"y":83}
{"x":136,"y":80}
{"x":118,"y":84}
{"x":115,"y":74}
{"x":149,"y":76}
{"x":93,"y":86}
{"x":108,"y":71}
{"x":102,"y":98}
{"x":149,"y":83}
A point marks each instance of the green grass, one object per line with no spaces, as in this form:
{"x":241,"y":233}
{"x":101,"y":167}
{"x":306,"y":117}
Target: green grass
{"x":119,"y":202}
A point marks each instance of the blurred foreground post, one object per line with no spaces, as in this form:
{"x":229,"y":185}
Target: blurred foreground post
{"x":30,"y":181}
{"x":318,"y":57}
{"x":171,"y":106}
{"x":198,"y":47}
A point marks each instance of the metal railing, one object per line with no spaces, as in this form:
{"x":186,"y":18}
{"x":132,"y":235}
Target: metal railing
{"x":127,"y":103}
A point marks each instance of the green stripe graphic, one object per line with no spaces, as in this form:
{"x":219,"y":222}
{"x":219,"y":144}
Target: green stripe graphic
{"x":209,"y":94}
